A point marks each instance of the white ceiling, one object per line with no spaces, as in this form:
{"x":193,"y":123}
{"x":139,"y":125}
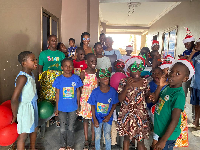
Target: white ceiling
{"x":116,"y":14}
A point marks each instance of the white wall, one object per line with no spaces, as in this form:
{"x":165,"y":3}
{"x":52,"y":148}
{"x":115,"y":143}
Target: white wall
{"x":186,"y":14}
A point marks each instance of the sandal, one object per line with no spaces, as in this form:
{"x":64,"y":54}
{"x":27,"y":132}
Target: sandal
{"x":69,"y":148}
{"x":86,"y":145}
{"x":191,"y":125}
{"x":92,"y":145}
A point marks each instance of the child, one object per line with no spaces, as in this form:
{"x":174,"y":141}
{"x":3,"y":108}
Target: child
{"x":171,"y":104}
{"x":145,"y":53}
{"x":155,"y":45}
{"x":112,"y":54}
{"x":195,"y":84}
{"x":156,"y":59}
{"x":103,"y":101}
{"x":133,"y":119}
{"x":88,"y":76}
{"x":67,"y":102}
{"x":103,"y":62}
{"x":49,"y":69}
{"x":24,"y":101}
{"x":72,"y":49}
{"x":79,"y":62}
{"x":61,"y":47}
{"x":157,"y":73}
{"x":102,"y":39}
{"x":119,"y":66}
{"x":85,"y":41}
{"x":129,"y":50}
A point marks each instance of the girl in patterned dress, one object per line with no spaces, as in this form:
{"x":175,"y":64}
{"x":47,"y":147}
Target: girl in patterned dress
{"x":88,"y":76}
{"x":24,"y":101}
{"x":133,"y":119}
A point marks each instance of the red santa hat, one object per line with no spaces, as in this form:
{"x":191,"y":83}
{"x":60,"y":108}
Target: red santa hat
{"x":188,"y":37}
{"x":188,"y":64}
{"x":198,"y":40}
{"x":155,"y":43}
{"x":129,"y":47}
{"x":167,"y":62}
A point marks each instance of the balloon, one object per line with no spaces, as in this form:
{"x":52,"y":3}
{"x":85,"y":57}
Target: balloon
{"x":115,"y":79}
{"x":45,"y":109}
{"x":5,"y":116}
{"x":8,"y":135}
{"x":7,"y":104}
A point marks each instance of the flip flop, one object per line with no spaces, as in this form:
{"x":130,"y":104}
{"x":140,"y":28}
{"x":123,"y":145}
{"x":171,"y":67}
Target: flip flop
{"x":196,"y":133}
{"x":191,"y":125}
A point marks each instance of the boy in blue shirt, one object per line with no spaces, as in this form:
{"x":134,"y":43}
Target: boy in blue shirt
{"x":72,"y":49}
{"x":67,"y":102}
{"x":104,"y":100}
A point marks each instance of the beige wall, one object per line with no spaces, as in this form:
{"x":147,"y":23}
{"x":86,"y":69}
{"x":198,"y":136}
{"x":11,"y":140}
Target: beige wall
{"x":20,"y":30}
{"x":79,"y":16}
{"x":186,"y":14}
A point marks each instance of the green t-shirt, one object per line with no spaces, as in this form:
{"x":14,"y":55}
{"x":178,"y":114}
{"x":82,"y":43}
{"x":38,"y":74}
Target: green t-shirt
{"x":51,"y":60}
{"x":170,"y":98}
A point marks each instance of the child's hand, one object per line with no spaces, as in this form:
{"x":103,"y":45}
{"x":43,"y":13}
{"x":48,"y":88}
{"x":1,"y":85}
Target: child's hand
{"x":13,"y":120}
{"x":129,"y":83}
{"x":78,"y":110}
{"x":152,"y":97}
{"x":96,"y":123}
{"x":163,"y":81}
{"x":106,"y":118}
{"x":56,"y":113}
{"x":160,"y":145}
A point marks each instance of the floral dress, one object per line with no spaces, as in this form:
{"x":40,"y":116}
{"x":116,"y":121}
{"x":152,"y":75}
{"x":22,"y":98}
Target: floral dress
{"x":133,"y":119}
{"x":89,"y":84}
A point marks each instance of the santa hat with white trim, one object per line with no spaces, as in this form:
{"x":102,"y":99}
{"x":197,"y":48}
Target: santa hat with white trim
{"x":168,"y":60}
{"x":188,"y":38}
{"x":133,"y":59}
{"x":198,"y":40}
{"x":129,"y":47}
{"x":188,"y":64}
{"x":155,"y":42}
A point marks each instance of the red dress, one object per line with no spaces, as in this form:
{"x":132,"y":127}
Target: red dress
{"x":79,"y":66}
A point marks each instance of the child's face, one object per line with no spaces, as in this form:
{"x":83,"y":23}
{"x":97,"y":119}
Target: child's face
{"x":156,"y":75}
{"x":188,"y":45}
{"x":128,"y":52}
{"x":63,"y":48}
{"x":103,"y":78}
{"x":71,"y":43}
{"x":197,"y":46}
{"x":92,"y":62}
{"x":30,"y":62}
{"x":102,"y":38}
{"x":52,"y":42}
{"x":119,"y":67}
{"x":134,"y":73}
{"x":86,"y":39}
{"x":67,"y":67}
{"x":99,"y":49}
{"x":155,"y":48}
{"x":81,"y":55}
{"x":165,"y":71}
{"x":177,"y":76}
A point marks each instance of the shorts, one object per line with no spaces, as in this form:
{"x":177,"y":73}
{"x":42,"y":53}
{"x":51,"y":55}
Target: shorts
{"x":195,"y":97}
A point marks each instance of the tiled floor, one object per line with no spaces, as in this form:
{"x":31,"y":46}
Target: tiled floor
{"x":51,"y":139}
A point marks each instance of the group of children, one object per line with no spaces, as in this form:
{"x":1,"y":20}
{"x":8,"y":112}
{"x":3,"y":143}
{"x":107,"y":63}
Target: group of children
{"x":84,"y":89}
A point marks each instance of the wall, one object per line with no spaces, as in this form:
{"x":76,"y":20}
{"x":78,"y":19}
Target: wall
{"x":185,"y":14}
{"x":20,"y":30}
{"x":79,"y":16}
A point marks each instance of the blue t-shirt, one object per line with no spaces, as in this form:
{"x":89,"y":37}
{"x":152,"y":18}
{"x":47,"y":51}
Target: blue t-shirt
{"x":153,"y":87}
{"x":67,"y":95}
{"x":103,"y":103}
{"x":71,"y":51}
{"x":195,"y":79}
{"x":188,"y":52}
{"x":119,"y":56}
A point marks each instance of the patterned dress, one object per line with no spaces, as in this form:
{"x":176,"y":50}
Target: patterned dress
{"x":133,"y":119}
{"x":89,"y":84}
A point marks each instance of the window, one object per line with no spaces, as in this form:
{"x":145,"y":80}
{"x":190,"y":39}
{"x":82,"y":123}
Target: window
{"x":49,"y":26}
